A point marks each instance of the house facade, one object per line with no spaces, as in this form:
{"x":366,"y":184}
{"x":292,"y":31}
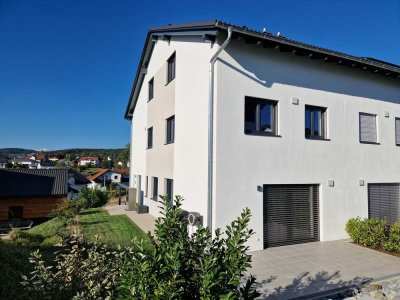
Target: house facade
{"x":306,"y":137}
{"x":89,"y":160}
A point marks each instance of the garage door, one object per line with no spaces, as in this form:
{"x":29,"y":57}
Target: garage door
{"x":383,"y":201}
{"x":291,"y":214}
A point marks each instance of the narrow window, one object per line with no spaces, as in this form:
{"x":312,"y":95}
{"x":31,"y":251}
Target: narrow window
{"x":260,"y":116}
{"x":170,"y":138}
{"x":315,"y":122}
{"x":397,"y":130}
{"x":15,"y":212}
{"x":171,"y":68}
{"x":150,"y":138}
{"x":146,"y":191}
{"x":169,"y":189}
{"x":155,"y":188}
{"x":151,"y":89}
{"x":368,"y":130}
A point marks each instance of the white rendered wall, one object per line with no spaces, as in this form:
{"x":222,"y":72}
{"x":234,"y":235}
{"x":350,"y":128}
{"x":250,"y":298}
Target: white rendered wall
{"x":243,"y":161}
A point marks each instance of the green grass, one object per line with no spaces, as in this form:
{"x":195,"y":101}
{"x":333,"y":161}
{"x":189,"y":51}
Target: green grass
{"x":89,"y":171}
{"x":112,"y":230}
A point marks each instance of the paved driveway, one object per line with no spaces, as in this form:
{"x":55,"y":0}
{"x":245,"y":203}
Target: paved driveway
{"x":306,"y":270}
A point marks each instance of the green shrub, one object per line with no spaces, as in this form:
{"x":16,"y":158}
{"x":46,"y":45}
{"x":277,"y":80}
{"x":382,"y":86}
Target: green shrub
{"x":367,"y":232}
{"x":92,"y":198}
{"x":81,"y":271}
{"x":66,"y":210}
{"x":393,"y":240}
{"x":182,"y":266}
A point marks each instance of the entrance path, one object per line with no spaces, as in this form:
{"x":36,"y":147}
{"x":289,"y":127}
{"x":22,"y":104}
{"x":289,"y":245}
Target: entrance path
{"x":313,"y":269}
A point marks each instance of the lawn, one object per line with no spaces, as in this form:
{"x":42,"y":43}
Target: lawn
{"x":14,"y":255}
{"x":112,"y":230}
{"x":89,"y":171}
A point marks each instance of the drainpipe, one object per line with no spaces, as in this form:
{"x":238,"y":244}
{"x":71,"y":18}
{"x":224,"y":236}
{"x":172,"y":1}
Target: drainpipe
{"x":211,"y":127}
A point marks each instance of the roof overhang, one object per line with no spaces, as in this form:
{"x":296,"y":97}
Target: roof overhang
{"x":210,"y":29}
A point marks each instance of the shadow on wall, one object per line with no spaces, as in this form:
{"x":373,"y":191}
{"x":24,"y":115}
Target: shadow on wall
{"x":269,"y":66}
{"x":303,"y":286}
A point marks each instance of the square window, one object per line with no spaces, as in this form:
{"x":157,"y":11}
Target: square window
{"x":315,"y":122}
{"x":151,"y":89}
{"x":171,"y":68}
{"x":170,"y":135}
{"x":260,"y":116}
{"x":15,"y":212}
{"x":150,"y":138}
{"x":368,"y":128}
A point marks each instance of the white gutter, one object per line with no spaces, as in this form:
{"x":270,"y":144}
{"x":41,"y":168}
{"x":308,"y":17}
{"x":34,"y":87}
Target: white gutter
{"x":211,"y":127}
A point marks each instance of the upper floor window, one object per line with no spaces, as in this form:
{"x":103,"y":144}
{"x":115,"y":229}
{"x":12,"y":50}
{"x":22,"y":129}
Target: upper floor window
{"x":260,"y":116}
{"x":169,"y":189}
{"x":151,"y":89}
{"x":155,"y":189}
{"x":150,"y":138}
{"x":397,"y":131}
{"x":171,"y":68}
{"x":170,"y":138}
{"x":315,"y":122}
{"x":368,"y":128}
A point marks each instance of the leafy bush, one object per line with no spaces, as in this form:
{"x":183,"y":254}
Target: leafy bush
{"x":393,"y":240}
{"x":66,"y":210}
{"x":189,"y":267}
{"x":81,"y":271}
{"x":367,"y":232}
{"x":92,"y":198}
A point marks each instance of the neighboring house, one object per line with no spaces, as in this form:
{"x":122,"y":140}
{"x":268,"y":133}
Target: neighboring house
{"x":104,"y":176}
{"x":29,"y":194}
{"x":305,"y":137}
{"x":53,"y":158}
{"x":76,"y":181}
{"x":31,"y":164}
{"x":3,"y":162}
{"x":46,"y":165}
{"x":89,"y":160}
{"x":65,"y":162}
{"x":37,"y":157}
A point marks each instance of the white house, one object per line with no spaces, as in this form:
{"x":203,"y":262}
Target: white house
{"x":3,"y":162}
{"x":230,"y":117}
{"x":31,"y":164}
{"x":89,"y":160}
{"x":106,"y":175}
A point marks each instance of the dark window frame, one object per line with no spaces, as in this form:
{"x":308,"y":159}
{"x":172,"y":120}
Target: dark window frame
{"x":323,"y":121}
{"x":154,"y":192}
{"x":395,"y":131}
{"x":169,"y":189}
{"x":146,"y":191}
{"x":150,"y":137}
{"x":170,"y":130}
{"x":151,"y":89}
{"x":12,"y":214}
{"x":171,"y":68}
{"x":274,"y":117}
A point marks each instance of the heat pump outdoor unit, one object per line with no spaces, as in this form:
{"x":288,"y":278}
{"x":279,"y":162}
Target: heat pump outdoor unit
{"x":195,"y":219}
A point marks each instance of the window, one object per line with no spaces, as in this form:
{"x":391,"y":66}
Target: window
{"x":146,"y":191}
{"x":384,"y":202}
{"x":315,"y":122}
{"x":150,"y":138}
{"x":155,"y":188}
{"x":15,"y":212}
{"x":260,"y":116}
{"x":397,"y":131}
{"x":171,"y":68}
{"x":368,"y":130}
{"x":151,"y":89}
{"x":169,"y":189}
{"x":170,"y":138}
{"x":115,"y":176}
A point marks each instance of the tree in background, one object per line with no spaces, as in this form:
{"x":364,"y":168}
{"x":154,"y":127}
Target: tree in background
{"x":125,"y":154}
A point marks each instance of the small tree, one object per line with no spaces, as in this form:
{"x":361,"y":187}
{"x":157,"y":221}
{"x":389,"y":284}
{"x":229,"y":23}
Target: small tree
{"x":91,"y":198}
{"x":189,"y":267}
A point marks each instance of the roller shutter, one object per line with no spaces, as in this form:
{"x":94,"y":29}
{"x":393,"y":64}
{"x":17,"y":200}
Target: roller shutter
{"x":368,"y":132}
{"x":291,"y":214}
{"x":383,"y":201}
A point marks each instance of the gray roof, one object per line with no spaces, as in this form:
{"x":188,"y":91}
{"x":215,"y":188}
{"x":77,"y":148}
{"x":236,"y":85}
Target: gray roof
{"x":20,"y":160}
{"x":264,"y":39}
{"x":33,"y":182}
{"x":3,"y":160}
{"x":79,"y":178}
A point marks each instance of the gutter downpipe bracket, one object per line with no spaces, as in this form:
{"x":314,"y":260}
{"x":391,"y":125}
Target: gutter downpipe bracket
{"x":211,"y":128}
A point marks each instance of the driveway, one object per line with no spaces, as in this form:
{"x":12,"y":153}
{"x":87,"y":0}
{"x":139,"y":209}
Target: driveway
{"x":314,"y":269}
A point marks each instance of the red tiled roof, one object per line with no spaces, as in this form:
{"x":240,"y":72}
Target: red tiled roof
{"x":88,"y":158}
{"x":98,"y":174}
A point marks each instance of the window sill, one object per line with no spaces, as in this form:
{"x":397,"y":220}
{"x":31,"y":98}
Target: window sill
{"x":170,"y":81}
{"x":370,"y":143}
{"x":263,"y":134}
{"x":169,"y":143}
{"x":317,"y":139}
{"x":150,"y":100}
{"x":149,"y":148}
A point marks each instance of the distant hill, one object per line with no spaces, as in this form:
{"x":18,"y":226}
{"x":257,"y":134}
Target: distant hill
{"x":15,"y":151}
{"x":75,"y":151}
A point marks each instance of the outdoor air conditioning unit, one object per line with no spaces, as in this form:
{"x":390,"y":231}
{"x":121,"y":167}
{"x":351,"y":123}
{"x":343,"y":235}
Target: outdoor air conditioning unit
{"x":195,"y":219}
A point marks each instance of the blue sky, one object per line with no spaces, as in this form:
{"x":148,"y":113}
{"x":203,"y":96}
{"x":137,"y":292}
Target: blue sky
{"x":66,"y":67}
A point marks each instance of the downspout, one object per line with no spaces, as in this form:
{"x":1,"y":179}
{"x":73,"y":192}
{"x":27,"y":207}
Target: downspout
{"x":211,"y":127}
